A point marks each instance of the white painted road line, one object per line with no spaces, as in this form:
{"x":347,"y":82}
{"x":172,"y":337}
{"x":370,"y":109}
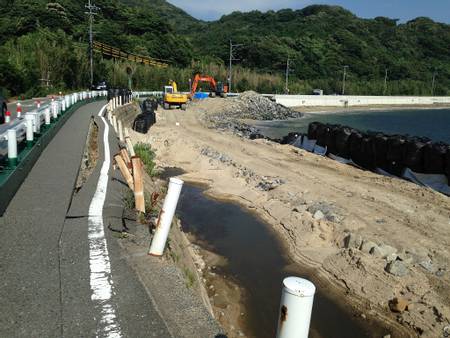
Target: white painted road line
{"x":100,"y":277}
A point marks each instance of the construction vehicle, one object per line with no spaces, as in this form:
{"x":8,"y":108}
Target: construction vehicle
{"x":173,"y":98}
{"x":217,"y":88}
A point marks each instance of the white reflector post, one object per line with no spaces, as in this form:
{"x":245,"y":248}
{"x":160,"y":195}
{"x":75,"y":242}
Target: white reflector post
{"x":47,"y":116}
{"x":12,"y":147}
{"x":295,"y":308}
{"x":30,"y":133}
{"x":165,"y":217}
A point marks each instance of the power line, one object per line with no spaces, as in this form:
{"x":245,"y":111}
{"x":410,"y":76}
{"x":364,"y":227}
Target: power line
{"x":232,"y":58}
{"x":92,"y":12}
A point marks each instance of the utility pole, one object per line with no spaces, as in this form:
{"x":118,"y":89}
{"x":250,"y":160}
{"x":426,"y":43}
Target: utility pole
{"x":433,"y":83}
{"x":232,"y":58}
{"x":287,"y":75}
{"x":343,"y":80}
{"x":385,"y":82}
{"x":92,"y":12}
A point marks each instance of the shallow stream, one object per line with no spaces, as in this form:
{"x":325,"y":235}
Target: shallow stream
{"x":258,"y":263}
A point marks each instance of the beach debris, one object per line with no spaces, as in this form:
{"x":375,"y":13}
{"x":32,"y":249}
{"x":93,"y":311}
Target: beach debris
{"x":396,"y":268}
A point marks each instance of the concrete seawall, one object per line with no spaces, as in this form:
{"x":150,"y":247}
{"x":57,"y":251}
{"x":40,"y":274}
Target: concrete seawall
{"x":354,"y":101}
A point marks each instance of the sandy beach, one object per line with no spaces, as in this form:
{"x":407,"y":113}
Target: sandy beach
{"x":329,"y":216}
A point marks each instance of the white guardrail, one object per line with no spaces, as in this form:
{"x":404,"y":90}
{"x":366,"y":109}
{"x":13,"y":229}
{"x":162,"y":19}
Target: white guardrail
{"x":30,"y":124}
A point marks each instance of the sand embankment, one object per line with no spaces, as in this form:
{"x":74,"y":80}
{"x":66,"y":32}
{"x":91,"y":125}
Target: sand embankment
{"x":347,"y":223}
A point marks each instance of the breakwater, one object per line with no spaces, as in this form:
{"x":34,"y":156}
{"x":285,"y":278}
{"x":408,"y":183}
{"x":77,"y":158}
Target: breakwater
{"x":371,"y":150}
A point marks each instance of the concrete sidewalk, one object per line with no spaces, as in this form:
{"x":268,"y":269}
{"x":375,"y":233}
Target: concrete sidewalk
{"x":45,"y":287}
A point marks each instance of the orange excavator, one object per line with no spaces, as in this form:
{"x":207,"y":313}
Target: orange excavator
{"x":217,"y":88}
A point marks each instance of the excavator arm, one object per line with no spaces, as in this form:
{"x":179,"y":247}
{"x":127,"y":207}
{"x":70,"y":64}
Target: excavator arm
{"x":203,"y":78}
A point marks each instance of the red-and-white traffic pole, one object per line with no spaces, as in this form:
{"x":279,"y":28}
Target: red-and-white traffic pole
{"x":38,"y":104}
{"x":8,"y":117}
{"x":19,"y":109}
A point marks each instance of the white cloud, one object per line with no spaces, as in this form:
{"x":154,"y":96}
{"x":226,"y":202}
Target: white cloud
{"x":213,"y":9}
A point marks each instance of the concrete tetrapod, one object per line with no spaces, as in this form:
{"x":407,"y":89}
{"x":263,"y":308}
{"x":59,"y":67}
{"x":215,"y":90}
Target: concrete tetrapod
{"x":295,"y":308}
{"x":166,"y":217}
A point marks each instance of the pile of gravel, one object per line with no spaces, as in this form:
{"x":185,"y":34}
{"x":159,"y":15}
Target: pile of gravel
{"x":248,"y":106}
{"x":251,"y":105}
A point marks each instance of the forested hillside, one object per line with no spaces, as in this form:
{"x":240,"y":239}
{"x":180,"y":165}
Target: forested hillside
{"x":42,"y":40}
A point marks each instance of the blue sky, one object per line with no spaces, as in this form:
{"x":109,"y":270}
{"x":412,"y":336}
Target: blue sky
{"x":438,"y":10}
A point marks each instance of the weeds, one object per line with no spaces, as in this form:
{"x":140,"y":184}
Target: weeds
{"x":190,"y":277}
{"x":147,"y":155}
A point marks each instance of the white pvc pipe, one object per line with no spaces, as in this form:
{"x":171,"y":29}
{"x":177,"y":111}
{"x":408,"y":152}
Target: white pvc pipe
{"x":29,"y":123}
{"x":295,"y":308}
{"x":120,"y":127}
{"x":12,"y":144}
{"x":47,"y":116}
{"x":166,"y":217}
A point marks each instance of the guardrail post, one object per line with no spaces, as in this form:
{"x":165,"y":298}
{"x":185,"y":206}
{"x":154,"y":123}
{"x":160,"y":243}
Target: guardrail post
{"x":295,"y":308}
{"x":47,"y":116}
{"x":12,"y":148}
{"x":130,"y":146}
{"x":63,"y":105}
{"x":139,"y":197}
{"x":30,"y":134}
{"x":165,"y":217}
{"x":54,"y":111}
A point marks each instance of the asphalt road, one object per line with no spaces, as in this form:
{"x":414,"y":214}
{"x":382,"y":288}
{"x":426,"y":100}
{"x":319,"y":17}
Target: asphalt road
{"x":46,"y":268}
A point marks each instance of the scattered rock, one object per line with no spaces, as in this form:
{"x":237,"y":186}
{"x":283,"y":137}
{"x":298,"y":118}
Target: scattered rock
{"x":319,"y":215}
{"x":397,"y":268}
{"x":428,"y":265}
{"x":353,"y":241}
{"x":328,"y":210}
{"x":387,"y":336}
{"x":398,"y":304}
{"x":367,"y":246}
{"x":268,"y":184}
{"x":383,"y":251}
{"x":391,"y":257}
{"x":375,"y":251}
{"x":405,"y":258}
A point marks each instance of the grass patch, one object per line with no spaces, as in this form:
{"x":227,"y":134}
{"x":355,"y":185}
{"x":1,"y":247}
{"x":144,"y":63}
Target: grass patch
{"x":190,"y":278}
{"x":147,"y":155}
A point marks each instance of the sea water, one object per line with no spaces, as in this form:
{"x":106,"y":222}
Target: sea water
{"x":431,"y":123}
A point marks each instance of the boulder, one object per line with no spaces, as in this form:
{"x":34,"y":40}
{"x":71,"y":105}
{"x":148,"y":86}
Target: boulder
{"x":367,"y":246}
{"x":353,"y":241}
{"x":396,"y":268}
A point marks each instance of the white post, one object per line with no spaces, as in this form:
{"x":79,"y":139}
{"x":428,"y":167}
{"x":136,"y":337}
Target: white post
{"x":19,"y":109}
{"x":295,"y":308}
{"x":63,"y":105}
{"x":30,"y":134}
{"x":12,"y":147}
{"x":47,"y":116}
{"x":7,"y":117}
{"x":120,"y":127}
{"x":165,"y":218}
{"x":54,"y":110}
{"x":115,"y":123}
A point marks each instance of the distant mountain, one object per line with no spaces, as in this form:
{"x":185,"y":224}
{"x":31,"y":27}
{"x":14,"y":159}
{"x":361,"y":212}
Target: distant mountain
{"x":179,"y":19}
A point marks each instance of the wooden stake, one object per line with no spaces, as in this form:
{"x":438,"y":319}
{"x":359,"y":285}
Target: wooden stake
{"x":125,"y":157}
{"x":138,"y":184}
{"x":130,"y":146}
{"x":124,"y":170}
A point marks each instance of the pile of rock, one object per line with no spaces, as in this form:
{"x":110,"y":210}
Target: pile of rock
{"x":248,"y":106}
{"x":253,"y":106}
{"x":397,"y":261}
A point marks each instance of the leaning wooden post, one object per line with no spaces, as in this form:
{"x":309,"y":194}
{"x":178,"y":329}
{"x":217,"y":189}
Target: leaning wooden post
{"x":125,"y":157}
{"x":138,"y":184}
{"x":124,"y":170}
